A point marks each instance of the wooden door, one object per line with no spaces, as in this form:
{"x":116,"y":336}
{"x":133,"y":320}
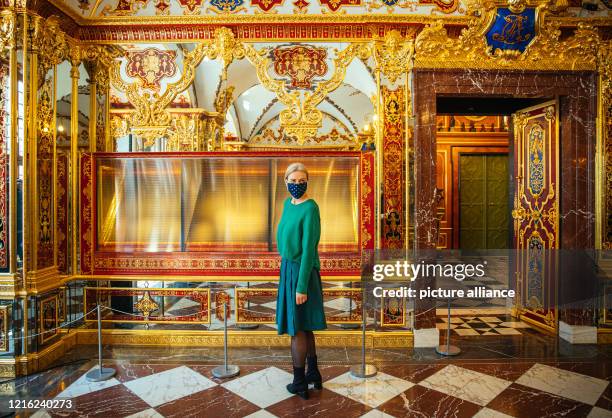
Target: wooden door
{"x":536,"y":212}
{"x":483,"y":201}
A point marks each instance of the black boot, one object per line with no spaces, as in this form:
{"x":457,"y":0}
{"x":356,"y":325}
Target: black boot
{"x":313,"y":375}
{"x":299,"y":386}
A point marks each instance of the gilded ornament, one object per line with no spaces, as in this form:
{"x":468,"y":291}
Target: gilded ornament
{"x":301,"y":63}
{"x":226,"y":47}
{"x":392,"y":4}
{"x":151,"y":65}
{"x":517,"y":6}
{"x":227,"y":6}
{"x":146,"y":305}
{"x":119,"y":126}
{"x":301,"y":119}
{"x":183,"y":134}
{"x":50,"y":42}
{"x":434,"y":48}
{"x":151,"y":120}
{"x":393,"y":54}
{"x":7,"y":29}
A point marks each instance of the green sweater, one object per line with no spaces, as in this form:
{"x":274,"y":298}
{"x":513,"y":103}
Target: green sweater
{"x":298,"y":236}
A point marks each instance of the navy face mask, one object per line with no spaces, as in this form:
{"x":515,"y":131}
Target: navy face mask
{"x":297,"y":190}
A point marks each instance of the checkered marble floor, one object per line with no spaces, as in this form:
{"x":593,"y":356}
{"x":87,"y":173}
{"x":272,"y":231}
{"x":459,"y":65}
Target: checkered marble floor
{"x":520,"y":389}
{"x":473,"y":326}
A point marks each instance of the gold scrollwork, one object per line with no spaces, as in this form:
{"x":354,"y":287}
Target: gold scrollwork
{"x":119,"y":126}
{"x":7,"y":29}
{"x":50,"y":42}
{"x":393,"y":54}
{"x":151,"y":119}
{"x":146,"y":305}
{"x":434,"y":48}
{"x":301,"y":118}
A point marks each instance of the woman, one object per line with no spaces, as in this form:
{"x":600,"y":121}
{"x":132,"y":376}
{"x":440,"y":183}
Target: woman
{"x":300,"y":298}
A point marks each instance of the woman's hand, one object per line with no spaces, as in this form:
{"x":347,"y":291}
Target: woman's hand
{"x":300,"y":298}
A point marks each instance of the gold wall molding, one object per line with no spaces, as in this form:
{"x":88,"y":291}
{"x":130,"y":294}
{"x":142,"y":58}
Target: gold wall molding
{"x":436,"y":49}
{"x":374,"y":339}
{"x":8,"y":286}
{"x":42,"y":280}
{"x":8,"y":368}
{"x":604,"y":192}
{"x":42,"y":360}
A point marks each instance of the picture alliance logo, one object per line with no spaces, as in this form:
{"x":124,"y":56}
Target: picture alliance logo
{"x":412,"y":271}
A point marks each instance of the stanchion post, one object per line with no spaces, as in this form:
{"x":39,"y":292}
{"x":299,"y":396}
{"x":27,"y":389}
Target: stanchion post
{"x":363,"y":370}
{"x":448,"y":349}
{"x":225,"y":371}
{"x":102,"y":373}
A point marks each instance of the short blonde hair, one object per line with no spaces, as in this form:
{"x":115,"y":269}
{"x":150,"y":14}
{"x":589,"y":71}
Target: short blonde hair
{"x":293,"y":167}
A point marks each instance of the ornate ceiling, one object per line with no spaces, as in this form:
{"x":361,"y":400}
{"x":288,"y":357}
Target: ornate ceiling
{"x":254,"y":108}
{"x":92,"y":9}
{"x":99,"y":11}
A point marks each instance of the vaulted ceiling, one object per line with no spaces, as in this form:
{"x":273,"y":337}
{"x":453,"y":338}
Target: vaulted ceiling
{"x":106,"y":9}
{"x":255,"y":108}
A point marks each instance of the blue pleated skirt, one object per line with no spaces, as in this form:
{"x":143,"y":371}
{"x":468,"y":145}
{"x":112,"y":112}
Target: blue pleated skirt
{"x":309,"y":316}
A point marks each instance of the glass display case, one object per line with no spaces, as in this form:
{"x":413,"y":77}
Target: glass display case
{"x":178,"y":212}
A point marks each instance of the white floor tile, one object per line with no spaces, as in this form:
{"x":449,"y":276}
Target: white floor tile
{"x":262,"y":413}
{"x":466,"y":384}
{"x":81,"y":386}
{"x":373,"y":391}
{"x":564,"y":383}
{"x":375,"y":413}
{"x":169,"y":385}
{"x":263,"y":388}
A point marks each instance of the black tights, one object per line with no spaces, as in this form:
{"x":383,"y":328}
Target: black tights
{"x":302,"y":345}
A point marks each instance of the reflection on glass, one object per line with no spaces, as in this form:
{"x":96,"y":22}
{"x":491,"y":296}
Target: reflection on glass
{"x":84,"y":103}
{"x":139,"y":206}
{"x":218,"y":203}
{"x":226,"y":203}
